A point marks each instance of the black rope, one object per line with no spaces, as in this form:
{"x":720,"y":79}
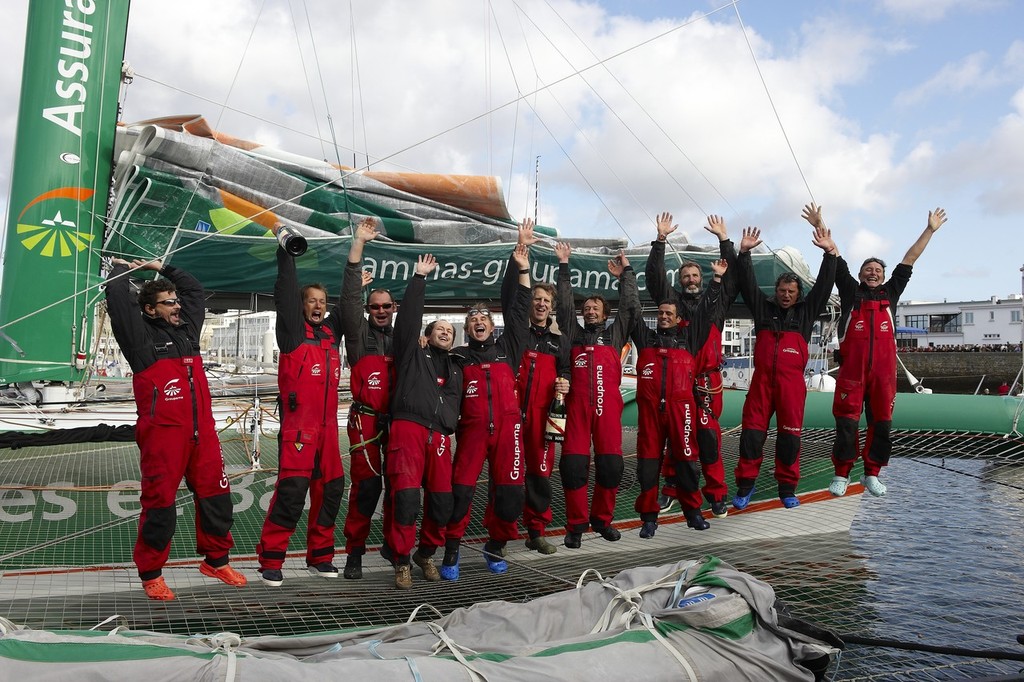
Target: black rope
{"x":935,"y":649}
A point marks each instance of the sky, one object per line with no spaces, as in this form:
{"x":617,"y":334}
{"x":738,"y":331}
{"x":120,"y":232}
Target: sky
{"x":878,"y":110}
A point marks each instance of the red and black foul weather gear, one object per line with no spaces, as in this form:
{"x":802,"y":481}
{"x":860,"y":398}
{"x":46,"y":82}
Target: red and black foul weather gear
{"x":309,"y":459}
{"x":490,"y":426}
{"x":425,"y":412}
{"x":594,"y":405}
{"x":666,"y":406}
{"x":175,"y":432}
{"x":370,"y":357}
{"x":867,"y":369}
{"x":708,"y":381}
{"x":778,"y":386}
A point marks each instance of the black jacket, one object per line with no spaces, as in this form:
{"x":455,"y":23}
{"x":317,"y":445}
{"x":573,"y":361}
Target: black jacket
{"x":419,"y":395}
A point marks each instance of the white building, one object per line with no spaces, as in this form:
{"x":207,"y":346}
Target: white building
{"x":995,"y":322}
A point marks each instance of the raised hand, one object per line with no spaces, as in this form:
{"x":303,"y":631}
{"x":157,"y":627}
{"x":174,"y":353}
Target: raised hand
{"x":526,"y":235}
{"x":367,"y":278}
{"x":751,"y":239}
{"x":812,"y":214}
{"x":521,"y":255}
{"x":141,"y":264}
{"x":936,"y":219}
{"x":823,"y":239}
{"x":716,"y":226}
{"x":563,"y":250}
{"x":718,"y":267}
{"x":366,"y":230}
{"x":664,"y":224}
{"x":425,"y":264}
{"x":617,"y":265}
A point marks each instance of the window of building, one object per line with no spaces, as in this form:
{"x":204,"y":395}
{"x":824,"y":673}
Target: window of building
{"x":917,"y":321}
{"x":991,"y":315}
{"x":1014,"y":316}
{"x":946,"y":323}
{"x":968,"y":318}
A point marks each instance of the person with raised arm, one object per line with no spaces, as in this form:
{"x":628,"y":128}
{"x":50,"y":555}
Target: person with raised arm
{"x":175,"y":431}
{"x":667,"y":410}
{"x":782,"y":324}
{"x":594,"y":404}
{"x":543,"y":372}
{"x":490,"y":424}
{"x":424,"y":415}
{"x":867,"y":350}
{"x":708,"y":382}
{"x":369,"y":336}
{"x":309,"y":456}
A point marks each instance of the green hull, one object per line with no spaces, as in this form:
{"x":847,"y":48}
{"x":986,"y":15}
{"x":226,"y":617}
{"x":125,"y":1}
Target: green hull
{"x":913,"y":412}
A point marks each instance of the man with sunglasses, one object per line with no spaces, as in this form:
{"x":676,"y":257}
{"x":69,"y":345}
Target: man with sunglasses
{"x":708,"y":381}
{"x":782,"y":326}
{"x":368,"y":344}
{"x":667,"y":363}
{"x":175,"y":431}
{"x":594,"y":405}
{"x":424,"y":414}
{"x":490,"y":423}
{"x":309,"y":457}
{"x":867,"y":369}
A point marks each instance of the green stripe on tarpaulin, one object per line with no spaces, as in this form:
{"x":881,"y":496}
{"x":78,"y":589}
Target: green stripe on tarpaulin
{"x":91,"y":652}
{"x":638,"y":636}
{"x":734,"y":630}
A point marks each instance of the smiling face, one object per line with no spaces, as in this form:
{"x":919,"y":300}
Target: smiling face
{"x":381,"y":309}
{"x":872,"y":273}
{"x":667,"y":316}
{"x":479,"y":325}
{"x":594,"y":311}
{"x":540,"y":308}
{"x":690,"y":279}
{"x":167,"y":307}
{"x":314,"y":304}
{"x":441,"y":335}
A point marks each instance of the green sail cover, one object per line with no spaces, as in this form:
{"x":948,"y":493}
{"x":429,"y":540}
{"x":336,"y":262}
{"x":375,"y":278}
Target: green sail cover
{"x":61,"y":179}
{"x":206,"y":207}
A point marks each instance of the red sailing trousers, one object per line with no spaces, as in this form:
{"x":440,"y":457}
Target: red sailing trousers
{"x":417,"y":458}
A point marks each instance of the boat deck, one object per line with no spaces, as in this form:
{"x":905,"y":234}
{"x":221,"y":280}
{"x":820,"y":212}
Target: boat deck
{"x":66,"y":563}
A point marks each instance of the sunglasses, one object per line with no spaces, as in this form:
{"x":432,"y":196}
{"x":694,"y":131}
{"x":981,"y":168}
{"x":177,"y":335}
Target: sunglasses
{"x":168,"y":302}
{"x":380,"y":306}
{"x":478,"y":311}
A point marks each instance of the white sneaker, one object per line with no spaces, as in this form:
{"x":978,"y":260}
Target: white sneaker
{"x":874,"y":486}
{"x":838,"y":485}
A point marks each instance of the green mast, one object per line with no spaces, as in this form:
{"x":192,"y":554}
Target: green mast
{"x":61,"y":179}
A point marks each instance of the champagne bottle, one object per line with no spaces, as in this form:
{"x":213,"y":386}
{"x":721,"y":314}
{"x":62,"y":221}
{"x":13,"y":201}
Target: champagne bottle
{"x":554,"y":429}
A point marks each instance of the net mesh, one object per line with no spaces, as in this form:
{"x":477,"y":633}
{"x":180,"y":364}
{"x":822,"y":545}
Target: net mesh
{"x":935,"y":562}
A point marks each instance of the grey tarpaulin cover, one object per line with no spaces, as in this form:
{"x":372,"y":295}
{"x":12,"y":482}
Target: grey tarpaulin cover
{"x":697,"y":620}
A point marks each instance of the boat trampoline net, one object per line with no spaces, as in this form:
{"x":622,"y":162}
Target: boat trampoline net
{"x":923,"y":584}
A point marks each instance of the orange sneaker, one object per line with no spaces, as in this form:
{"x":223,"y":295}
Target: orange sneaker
{"x":157,"y":589}
{"x":225,"y":574}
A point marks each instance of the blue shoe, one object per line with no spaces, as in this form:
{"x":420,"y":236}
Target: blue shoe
{"x":742,"y":501}
{"x":271,"y":577}
{"x":790,"y":501}
{"x":495,"y":564}
{"x":648,"y":529}
{"x":450,"y":572}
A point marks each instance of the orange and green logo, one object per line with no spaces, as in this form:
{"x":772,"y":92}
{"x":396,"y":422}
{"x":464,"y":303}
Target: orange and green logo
{"x":56,"y":234}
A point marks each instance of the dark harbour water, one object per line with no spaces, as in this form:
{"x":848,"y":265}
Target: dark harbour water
{"x":938,"y":561}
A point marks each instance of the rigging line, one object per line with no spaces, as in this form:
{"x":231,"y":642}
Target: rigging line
{"x":585,"y":137}
{"x":644,"y":110}
{"x":578,"y":170}
{"x":536,"y":166}
{"x":305,"y":73}
{"x":767,"y":92}
{"x":515,"y":81}
{"x":358,"y":87}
